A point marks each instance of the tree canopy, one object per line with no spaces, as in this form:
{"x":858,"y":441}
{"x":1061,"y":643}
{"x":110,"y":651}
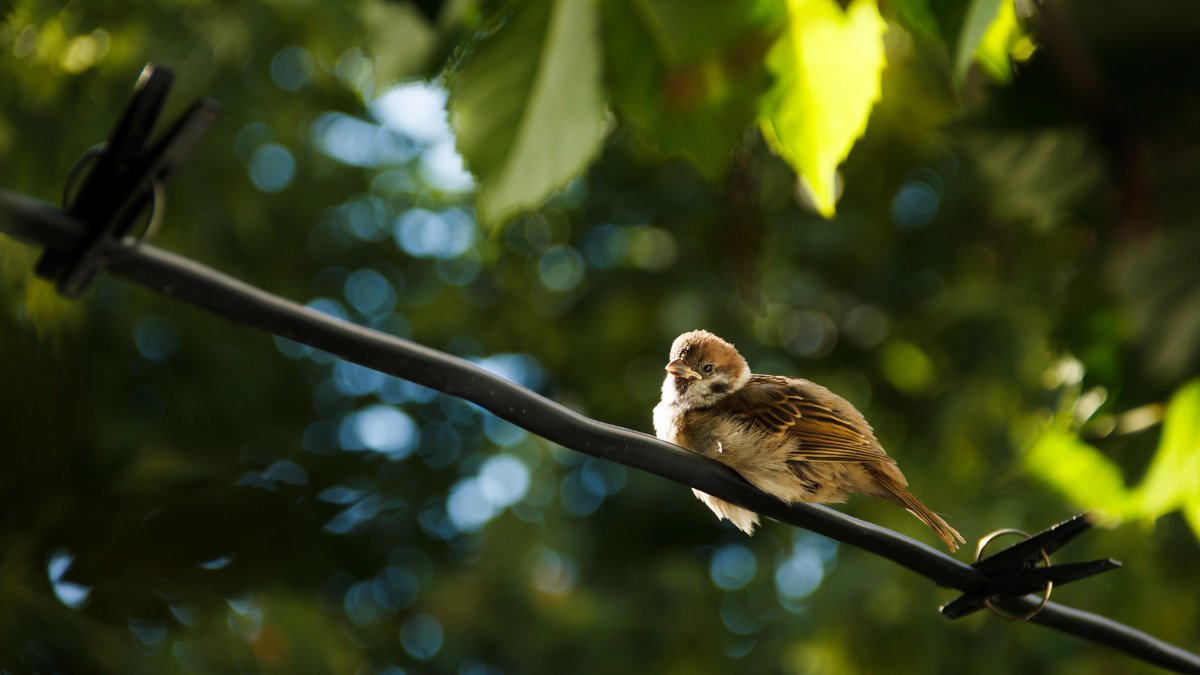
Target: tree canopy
{"x":976,"y":221}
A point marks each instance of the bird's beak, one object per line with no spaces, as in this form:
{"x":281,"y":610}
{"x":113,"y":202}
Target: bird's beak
{"x":681,"y":370}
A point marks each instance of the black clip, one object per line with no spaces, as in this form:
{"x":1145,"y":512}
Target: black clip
{"x":120,"y":184}
{"x":1013,"y":572}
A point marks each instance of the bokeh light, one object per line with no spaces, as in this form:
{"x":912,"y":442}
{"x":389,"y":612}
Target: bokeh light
{"x":732,"y":567}
{"x":915,"y":205}
{"x":580,"y":497}
{"x":444,"y":169}
{"x":380,"y":428}
{"x":356,"y":142}
{"x":329,"y":306}
{"x":561,"y":268}
{"x":555,"y":573}
{"x":287,"y":472}
{"x":802,"y":569}
{"x":473,"y":501}
{"x":738,"y":618}
{"x":421,"y":636}
{"x":605,"y":246}
{"x":435,"y":234}
{"x":523,"y":369}
{"x":371,"y":602}
{"x":150,"y":634}
{"x":291,"y":68}
{"x":69,"y":593}
{"x":504,"y":480}
{"x":415,"y":109}
{"x":218,"y":563}
{"x":370,"y":293}
{"x":355,"y":516}
{"x":156,"y":337}
{"x":368,"y":218}
{"x":271,"y":167}
{"x":352,"y":379}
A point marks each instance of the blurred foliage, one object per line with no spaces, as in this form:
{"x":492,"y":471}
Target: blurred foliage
{"x":1008,"y":291}
{"x":1003,"y":42}
{"x":1093,"y":481}
{"x":527,"y":104}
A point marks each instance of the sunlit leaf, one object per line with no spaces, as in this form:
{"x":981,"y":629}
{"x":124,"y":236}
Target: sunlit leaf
{"x":688,"y":76}
{"x":991,"y":36}
{"x":993,"y":50}
{"x":828,"y":64}
{"x":1191,"y":512}
{"x":1173,"y":479}
{"x":1084,"y":475}
{"x":1078,"y":471}
{"x":527,"y":105}
{"x":1004,"y":42}
{"x":981,"y":15}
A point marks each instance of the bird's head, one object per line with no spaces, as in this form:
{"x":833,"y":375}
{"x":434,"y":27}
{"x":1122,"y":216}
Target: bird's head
{"x":702,"y":369}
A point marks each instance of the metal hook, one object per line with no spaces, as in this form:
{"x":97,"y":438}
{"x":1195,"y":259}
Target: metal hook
{"x":157,"y":207}
{"x":987,"y":601}
{"x":130,"y":170}
{"x":1014,"y":571}
{"x":158,"y":192}
{"x":85,"y":160}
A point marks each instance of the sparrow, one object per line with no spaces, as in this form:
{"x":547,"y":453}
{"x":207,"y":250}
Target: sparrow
{"x":789,"y":437}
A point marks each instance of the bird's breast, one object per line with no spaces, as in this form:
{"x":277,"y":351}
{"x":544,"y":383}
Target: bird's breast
{"x":710,"y":433}
{"x":668,"y":423}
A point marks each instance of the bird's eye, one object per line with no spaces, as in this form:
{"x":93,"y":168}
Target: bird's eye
{"x":708,"y":368}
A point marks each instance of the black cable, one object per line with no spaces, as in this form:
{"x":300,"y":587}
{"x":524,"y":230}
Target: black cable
{"x":181,"y":278}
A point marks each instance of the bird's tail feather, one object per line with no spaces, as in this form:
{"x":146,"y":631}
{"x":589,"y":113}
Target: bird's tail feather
{"x":897,"y":493}
{"x":744,"y":519}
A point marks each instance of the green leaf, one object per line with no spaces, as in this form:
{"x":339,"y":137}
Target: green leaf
{"x":1089,"y":479}
{"x":1173,"y":479}
{"x":686,"y":75}
{"x":527,"y":105}
{"x":981,"y":14}
{"x":994,"y":50}
{"x":1191,"y":512}
{"x":1079,"y":472}
{"x":992,"y":36}
{"x":828,"y":65}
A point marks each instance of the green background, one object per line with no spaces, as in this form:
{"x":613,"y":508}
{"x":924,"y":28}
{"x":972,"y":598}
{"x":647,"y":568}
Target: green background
{"x":1013,"y":268}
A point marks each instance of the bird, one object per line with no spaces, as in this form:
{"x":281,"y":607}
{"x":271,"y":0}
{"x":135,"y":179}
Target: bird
{"x":789,"y":437}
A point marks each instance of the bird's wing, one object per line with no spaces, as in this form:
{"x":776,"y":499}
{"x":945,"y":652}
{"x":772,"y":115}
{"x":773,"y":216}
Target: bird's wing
{"x":824,"y":426}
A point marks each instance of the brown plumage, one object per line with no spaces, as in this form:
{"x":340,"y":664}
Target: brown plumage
{"x":789,"y":437}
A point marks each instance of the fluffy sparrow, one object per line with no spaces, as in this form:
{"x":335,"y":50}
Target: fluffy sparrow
{"x":789,"y":437}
